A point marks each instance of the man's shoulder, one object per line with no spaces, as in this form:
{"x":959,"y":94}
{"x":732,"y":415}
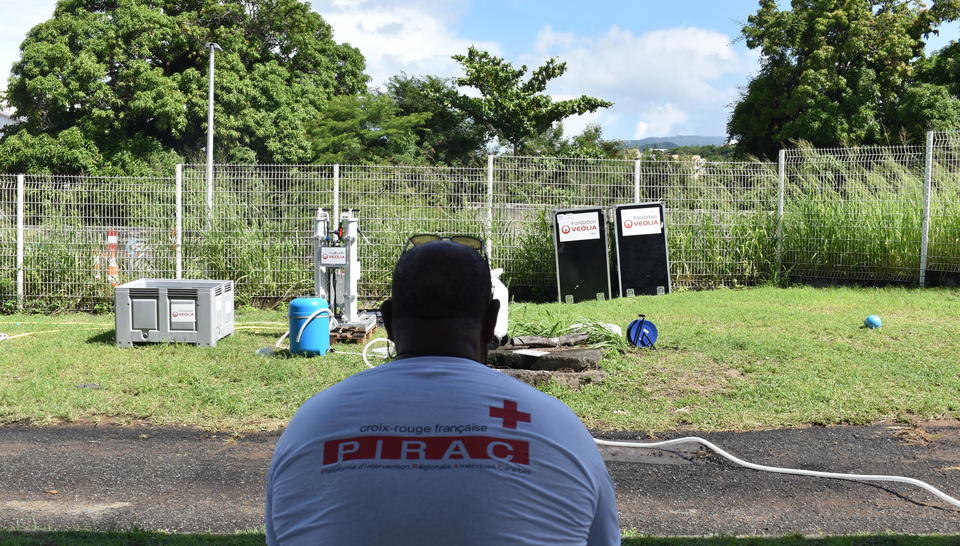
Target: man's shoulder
{"x":443,"y":374}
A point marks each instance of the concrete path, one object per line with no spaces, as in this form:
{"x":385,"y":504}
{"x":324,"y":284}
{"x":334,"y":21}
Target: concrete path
{"x":180,"y":479}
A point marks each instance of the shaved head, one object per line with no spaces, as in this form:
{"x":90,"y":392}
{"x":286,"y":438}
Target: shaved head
{"x":441,"y":280}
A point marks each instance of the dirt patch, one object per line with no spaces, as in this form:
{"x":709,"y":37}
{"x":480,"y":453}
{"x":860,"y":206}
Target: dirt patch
{"x":706,"y":378}
{"x":913,"y":436}
{"x":936,"y":433}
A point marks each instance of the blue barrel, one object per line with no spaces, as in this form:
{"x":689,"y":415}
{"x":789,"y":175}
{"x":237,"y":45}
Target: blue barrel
{"x":309,"y":326}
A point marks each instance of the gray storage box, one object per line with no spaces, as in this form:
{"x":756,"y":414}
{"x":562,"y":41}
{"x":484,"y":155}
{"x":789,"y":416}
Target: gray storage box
{"x":188,"y":311}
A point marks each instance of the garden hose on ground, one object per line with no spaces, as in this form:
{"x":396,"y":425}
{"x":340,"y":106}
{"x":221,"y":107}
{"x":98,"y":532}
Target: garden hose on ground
{"x":780,"y":470}
{"x":741,"y":462}
{"x":366,"y":350}
{"x":5,"y":337}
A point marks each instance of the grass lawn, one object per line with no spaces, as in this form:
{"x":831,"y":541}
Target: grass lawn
{"x":726,"y":359}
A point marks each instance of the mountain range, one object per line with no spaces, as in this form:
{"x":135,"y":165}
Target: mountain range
{"x":675,"y":141}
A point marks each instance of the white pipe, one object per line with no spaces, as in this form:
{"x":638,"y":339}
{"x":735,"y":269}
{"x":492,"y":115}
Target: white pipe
{"x":352,"y":270}
{"x":303,"y":326}
{"x":781,"y":470}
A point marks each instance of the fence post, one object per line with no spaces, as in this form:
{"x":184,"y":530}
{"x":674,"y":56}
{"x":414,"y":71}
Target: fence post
{"x":927,"y":187}
{"x":781,"y":191}
{"x":210,"y":183}
{"x":178,"y":226}
{"x":489,"y":220}
{"x":335,"y":220}
{"x":636,"y":180}
{"x":21,"y":213}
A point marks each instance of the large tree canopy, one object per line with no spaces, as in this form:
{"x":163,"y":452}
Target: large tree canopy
{"x":448,"y":136}
{"x":839,"y":72}
{"x":366,"y":128}
{"x":115,"y":86}
{"x":510,"y":108}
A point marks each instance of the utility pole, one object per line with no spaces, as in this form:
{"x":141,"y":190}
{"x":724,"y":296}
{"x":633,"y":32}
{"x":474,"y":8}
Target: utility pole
{"x":213,"y":48}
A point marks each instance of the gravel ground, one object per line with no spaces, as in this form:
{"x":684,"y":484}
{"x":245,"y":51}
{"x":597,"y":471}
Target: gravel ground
{"x":180,"y":479}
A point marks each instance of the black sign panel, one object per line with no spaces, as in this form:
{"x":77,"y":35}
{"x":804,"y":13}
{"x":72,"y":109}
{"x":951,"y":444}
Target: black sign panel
{"x":580,"y":242}
{"x":643,"y":264}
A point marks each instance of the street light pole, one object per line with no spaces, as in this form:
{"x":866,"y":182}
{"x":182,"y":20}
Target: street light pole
{"x":213,"y":47}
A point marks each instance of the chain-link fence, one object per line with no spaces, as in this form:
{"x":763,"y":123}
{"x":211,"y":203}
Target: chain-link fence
{"x":877,"y":214}
{"x":523,"y":191}
{"x":8,"y":240}
{"x":853,"y":213}
{"x":254,"y":227}
{"x":943,"y":245}
{"x":76,"y":235}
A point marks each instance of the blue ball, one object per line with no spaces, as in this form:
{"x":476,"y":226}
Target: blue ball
{"x":873,"y":321}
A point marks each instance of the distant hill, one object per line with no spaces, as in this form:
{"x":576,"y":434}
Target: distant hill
{"x":675,"y":141}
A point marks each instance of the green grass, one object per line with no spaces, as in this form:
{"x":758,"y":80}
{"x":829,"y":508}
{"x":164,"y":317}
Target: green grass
{"x":149,"y":538}
{"x":725,"y":360}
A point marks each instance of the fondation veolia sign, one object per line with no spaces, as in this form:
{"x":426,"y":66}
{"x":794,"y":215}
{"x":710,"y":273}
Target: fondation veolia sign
{"x":580,"y":243}
{"x":643,"y":263}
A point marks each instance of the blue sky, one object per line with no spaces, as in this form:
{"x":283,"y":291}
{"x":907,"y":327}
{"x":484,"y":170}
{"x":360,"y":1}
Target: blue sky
{"x":670,"y":67}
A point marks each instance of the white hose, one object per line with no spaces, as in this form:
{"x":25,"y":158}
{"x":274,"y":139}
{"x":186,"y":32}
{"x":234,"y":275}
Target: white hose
{"x":303,"y":327}
{"x":3,"y":336}
{"x":780,"y":470}
{"x":390,"y":345}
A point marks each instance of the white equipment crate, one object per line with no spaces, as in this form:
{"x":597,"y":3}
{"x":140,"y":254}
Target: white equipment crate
{"x":180,"y":310}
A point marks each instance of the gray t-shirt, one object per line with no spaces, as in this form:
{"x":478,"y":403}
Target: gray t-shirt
{"x":437,"y":450}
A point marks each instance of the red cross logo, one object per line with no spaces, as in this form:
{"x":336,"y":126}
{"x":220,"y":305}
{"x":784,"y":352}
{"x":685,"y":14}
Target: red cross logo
{"x":509,"y":414}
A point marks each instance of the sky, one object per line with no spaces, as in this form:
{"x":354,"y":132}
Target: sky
{"x":671,"y":68}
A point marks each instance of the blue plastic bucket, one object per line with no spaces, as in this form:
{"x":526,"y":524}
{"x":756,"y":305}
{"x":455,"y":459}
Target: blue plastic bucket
{"x":309,"y":326}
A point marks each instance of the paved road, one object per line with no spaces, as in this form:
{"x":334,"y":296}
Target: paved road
{"x":186,"y":480}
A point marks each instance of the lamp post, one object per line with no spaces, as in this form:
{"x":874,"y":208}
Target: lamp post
{"x":213,"y":48}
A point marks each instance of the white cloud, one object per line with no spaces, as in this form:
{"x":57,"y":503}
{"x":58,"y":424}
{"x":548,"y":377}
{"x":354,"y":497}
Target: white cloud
{"x":413,"y":36}
{"x":661,"y":120}
{"x":663,"y":80}
{"x":18,"y":18}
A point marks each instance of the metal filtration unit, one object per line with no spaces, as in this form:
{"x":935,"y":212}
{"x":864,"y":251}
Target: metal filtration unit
{"x":337,"y":272}
{"x":186,"y":311}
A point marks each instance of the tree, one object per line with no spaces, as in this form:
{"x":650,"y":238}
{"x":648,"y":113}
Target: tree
{"x":707,"y":152}
{"x":366,"y":128}
{"x":511,"y":109}
{"x":128,"y":80}
{"x":833,"y":72}
{"x":448,"y":136}
{"x":588,"y":144}
{"x":942,"y":68}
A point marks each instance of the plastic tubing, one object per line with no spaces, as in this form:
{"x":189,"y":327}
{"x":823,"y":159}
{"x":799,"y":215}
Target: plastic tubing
{"x":780,"y":470}
{"x":312,"y":316}
{"x":366,"y":348}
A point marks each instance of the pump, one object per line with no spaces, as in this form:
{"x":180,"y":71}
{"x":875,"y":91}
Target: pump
{"x":337,"y":272}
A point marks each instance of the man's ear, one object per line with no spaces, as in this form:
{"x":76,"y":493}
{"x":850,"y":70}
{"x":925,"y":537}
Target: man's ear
{"x":490,"y":319}
{"x":386,"y":313}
